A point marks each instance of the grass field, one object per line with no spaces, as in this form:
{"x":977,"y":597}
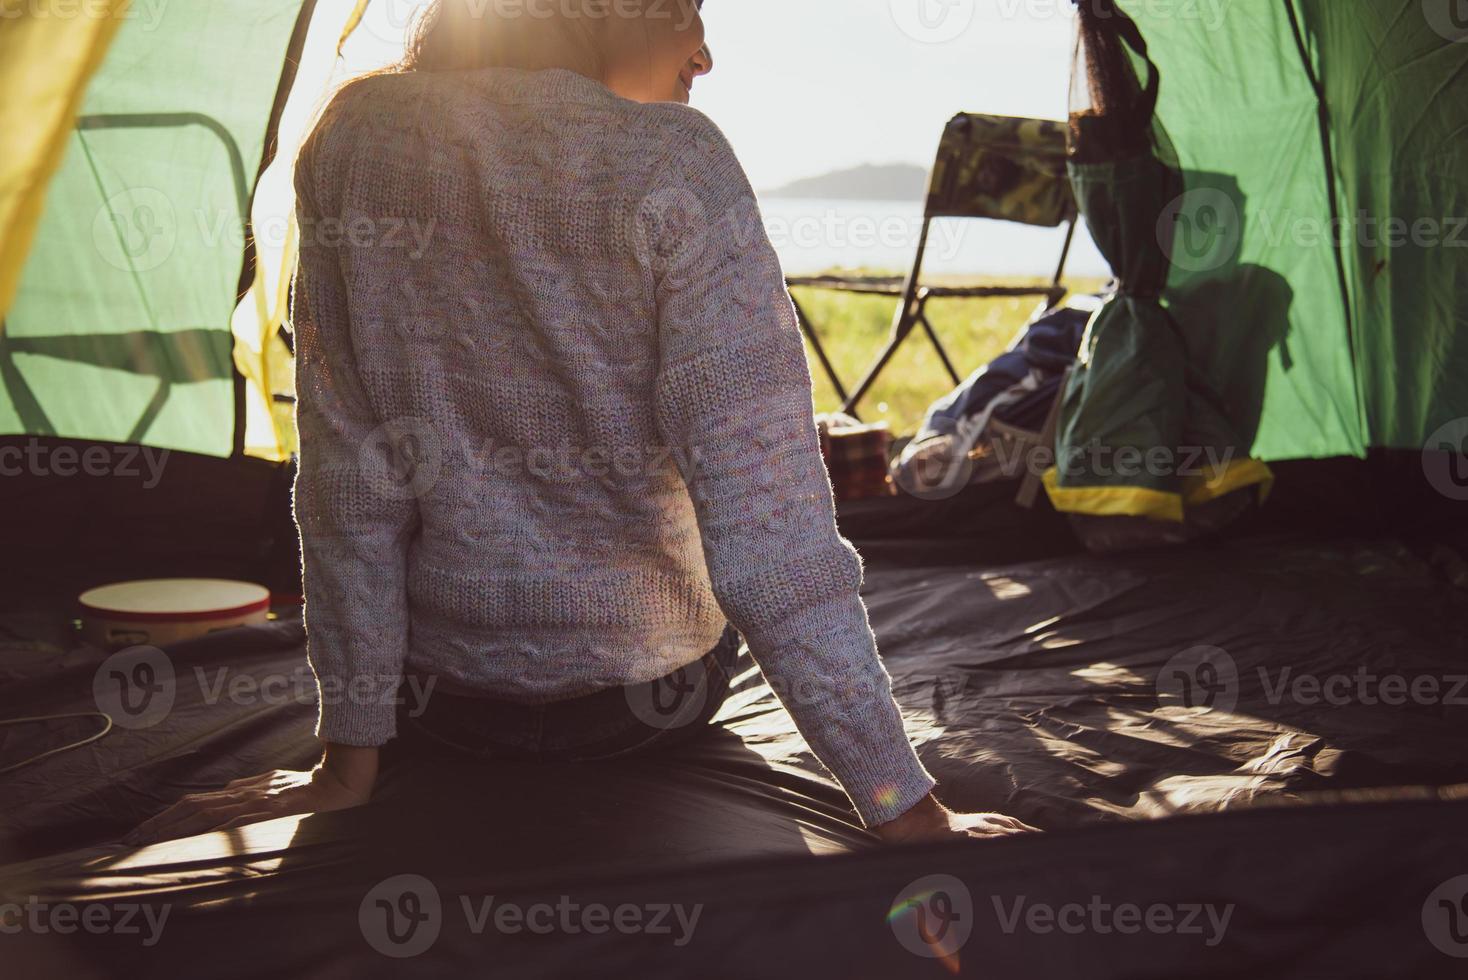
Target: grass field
{"x":853,"y":329}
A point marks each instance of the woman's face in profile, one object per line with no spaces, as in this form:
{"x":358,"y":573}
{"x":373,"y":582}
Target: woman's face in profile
{"x":655,"y":49}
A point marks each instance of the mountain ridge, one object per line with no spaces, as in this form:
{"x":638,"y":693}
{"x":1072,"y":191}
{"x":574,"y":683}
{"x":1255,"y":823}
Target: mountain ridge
{"x":867,"y":182}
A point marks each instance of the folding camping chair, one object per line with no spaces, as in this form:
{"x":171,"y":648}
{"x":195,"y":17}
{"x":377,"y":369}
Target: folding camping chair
{"x":999,"y":167}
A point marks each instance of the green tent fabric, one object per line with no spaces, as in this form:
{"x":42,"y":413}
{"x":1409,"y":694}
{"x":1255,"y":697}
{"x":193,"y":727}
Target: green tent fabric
{"x":1314,"y":136}
{"x":1318,"y":243}
{"x":120,"y":329}
{"x":1394,"y":76}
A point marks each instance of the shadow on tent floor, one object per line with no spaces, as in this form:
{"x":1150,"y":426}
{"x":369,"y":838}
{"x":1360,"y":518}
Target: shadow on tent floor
{"x":1311,"y":674}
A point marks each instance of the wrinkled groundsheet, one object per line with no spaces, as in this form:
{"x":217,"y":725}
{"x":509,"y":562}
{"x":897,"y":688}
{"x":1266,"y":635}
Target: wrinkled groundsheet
{"x":1032,"y":687}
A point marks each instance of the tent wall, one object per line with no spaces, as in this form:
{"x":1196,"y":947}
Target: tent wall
{"x":1264,"y":315}
{"x":1321,"y":338}
{"x":120,"y":329}
{"x":1395,"y":77}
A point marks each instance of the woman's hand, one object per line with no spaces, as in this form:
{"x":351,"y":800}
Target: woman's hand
{"x":930,"y":820}
{"x":343,"y":779}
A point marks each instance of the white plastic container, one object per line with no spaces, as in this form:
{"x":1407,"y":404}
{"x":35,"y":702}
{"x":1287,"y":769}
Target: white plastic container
{"x":166,"y":610}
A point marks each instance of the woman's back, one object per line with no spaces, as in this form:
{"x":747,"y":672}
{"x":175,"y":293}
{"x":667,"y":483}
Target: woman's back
{"x":498,"y":299}
{"x":553,"y":449}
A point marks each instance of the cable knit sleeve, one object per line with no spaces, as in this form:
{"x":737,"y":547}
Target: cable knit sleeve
{"x":355,"y":520}
{"x":734,"y":394}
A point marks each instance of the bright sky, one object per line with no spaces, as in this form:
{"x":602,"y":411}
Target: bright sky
{"x":803,"y":87}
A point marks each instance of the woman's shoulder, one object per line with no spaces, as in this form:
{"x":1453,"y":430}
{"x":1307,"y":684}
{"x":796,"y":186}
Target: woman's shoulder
{"x":378,"y":93}
{"x":348,"y":103}
{"x":691,"y":142}
{"x":366,"y":110}
{"x":678,"y":117}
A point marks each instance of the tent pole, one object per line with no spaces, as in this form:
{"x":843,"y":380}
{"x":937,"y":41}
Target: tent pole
{"x":1327,"y":151}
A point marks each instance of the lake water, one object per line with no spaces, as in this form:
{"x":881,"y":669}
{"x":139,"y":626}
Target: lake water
{"x":813,"y":235}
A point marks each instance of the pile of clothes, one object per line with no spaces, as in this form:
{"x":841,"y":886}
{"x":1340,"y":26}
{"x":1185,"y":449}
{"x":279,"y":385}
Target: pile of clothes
{"x":990,"y":425}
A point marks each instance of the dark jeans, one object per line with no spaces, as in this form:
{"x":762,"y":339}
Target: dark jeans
{"x":610,"y":723}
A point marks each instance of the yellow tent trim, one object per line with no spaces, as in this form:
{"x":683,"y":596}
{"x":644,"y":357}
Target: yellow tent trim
{"x":47,"y":57}
{"x":353,"y":19}
{"x":264,"y":359}
{"x":1157,"y":504}
{"x":1235,"y":475}
{"x":1114,"y":501}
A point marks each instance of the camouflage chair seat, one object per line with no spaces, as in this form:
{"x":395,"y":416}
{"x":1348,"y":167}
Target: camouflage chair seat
{"x":1001,"y":167}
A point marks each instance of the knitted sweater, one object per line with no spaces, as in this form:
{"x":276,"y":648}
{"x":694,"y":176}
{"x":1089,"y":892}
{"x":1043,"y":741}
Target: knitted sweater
{"x":555,"y":417}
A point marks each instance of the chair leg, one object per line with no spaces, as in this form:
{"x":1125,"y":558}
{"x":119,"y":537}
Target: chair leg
{"x":903,"y":319}
{"x":938,"y":346}
{"x":815,"y":342}
{"x":900,"y":330}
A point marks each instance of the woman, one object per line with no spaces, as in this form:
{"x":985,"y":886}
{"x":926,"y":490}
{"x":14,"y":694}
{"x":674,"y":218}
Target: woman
{"x":596,"y":286}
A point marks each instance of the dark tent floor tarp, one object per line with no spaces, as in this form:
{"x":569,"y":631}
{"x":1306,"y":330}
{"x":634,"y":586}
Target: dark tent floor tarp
{"x":1027,"y":685}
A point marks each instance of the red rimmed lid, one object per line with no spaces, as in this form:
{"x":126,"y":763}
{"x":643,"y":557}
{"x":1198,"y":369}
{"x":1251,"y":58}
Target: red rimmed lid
{"x":174,"y":600}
